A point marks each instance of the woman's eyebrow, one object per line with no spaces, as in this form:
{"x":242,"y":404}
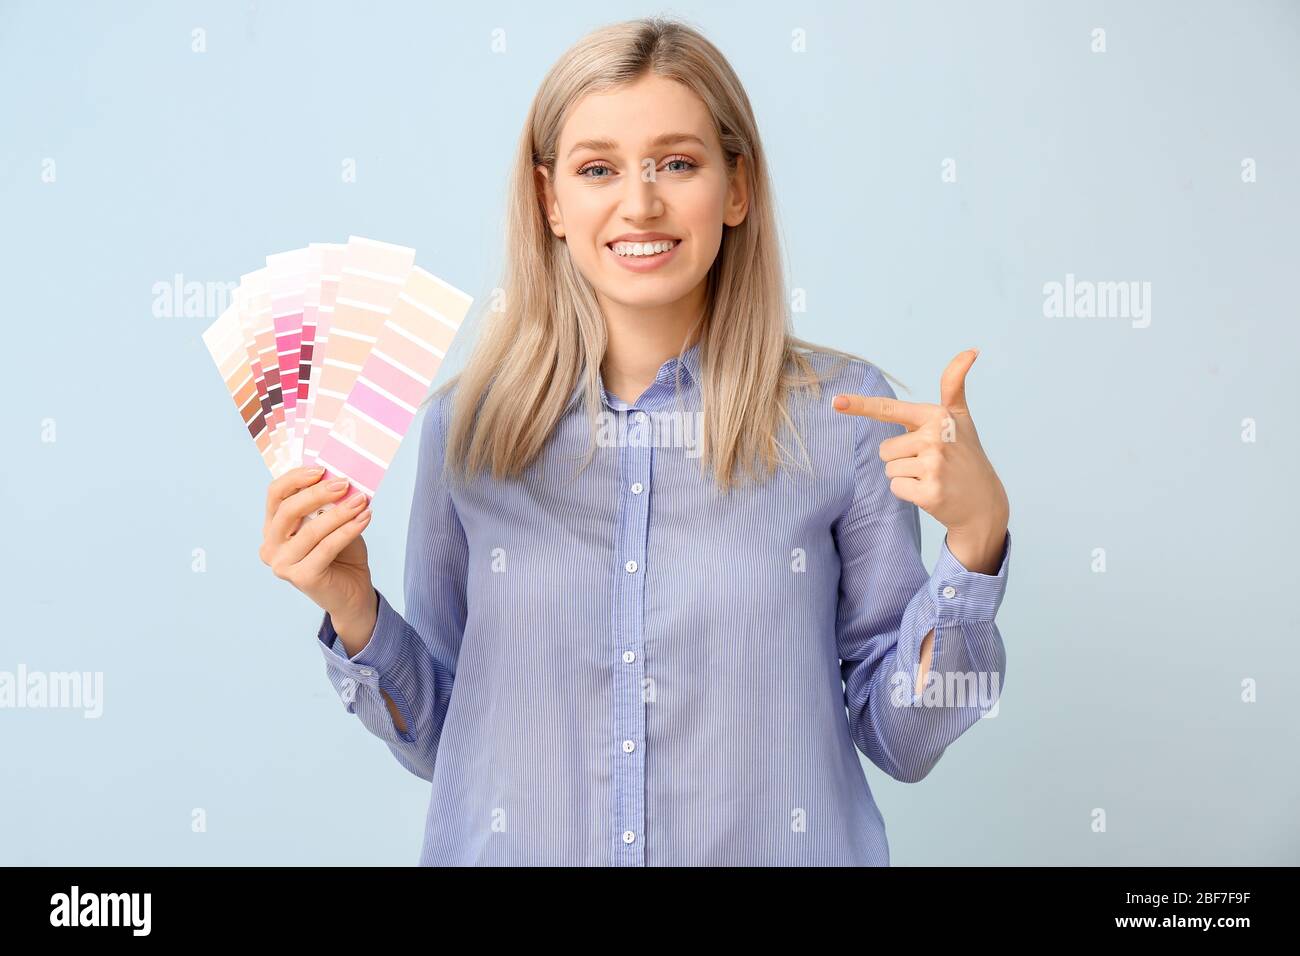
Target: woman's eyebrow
{"x":663,"y":139}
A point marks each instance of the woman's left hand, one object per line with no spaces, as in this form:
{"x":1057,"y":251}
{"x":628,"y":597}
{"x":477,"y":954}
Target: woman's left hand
{"x":940,"y":466}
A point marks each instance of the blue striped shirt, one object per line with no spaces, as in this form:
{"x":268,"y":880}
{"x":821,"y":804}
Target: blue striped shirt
{"x":620,"y":666}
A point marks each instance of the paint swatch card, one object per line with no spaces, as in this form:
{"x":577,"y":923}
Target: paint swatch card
{"x":372,"y":275}
{"x":243,"y":305}
{"x":225,"y":341}
{"x":325,"y":264}
{"x":398,"y":371}
{"x":327,"y":352}
{"x":287,"y":277}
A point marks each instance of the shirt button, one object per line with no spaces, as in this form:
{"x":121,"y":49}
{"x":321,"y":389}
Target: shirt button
{"x":637,"y":488}
{"x":365,"y":672}
{"x":949,"y":591}
{"x":628,"y":657}
{"x":629,"y":746}
{"x":628,"y":836}
{"x":640,"y":417}
{"x":630,"y":567}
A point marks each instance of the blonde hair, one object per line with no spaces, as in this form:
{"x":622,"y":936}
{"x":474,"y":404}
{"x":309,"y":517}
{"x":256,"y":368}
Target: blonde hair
{"x":518,"y":382}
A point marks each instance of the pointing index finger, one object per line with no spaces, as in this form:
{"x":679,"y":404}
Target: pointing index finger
{"x":884,"y":409}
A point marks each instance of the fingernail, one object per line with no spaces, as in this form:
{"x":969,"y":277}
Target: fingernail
{"x":356,"y":499}
{"x":337,"y":485}
{"x":315,"y":471}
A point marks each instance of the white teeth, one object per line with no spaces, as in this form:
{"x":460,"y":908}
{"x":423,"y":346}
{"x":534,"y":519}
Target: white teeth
{"x":642,"y":248}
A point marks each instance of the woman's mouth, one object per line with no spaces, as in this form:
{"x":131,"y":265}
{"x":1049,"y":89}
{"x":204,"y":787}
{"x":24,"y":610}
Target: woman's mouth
{"x":643,"y":256}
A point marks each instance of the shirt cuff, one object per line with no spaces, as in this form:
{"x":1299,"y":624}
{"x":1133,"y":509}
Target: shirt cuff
{"x":381,"y":652}
{"x":376,"y":668}
{"x":962,"y":595}
{"x":969,"y":601}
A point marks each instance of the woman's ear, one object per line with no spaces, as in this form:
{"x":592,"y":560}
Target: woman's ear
{"x":550,"y":207}
{"x":737,"y":204}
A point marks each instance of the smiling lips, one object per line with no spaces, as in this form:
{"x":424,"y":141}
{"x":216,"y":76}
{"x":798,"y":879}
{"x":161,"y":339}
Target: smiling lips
{"x":642,"y":248}
{"x":644,"y":253}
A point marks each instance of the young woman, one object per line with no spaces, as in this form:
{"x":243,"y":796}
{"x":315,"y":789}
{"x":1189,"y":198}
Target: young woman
{"x":657,"y":585}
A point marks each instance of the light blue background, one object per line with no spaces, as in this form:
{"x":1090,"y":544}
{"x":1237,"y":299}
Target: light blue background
{"x":1123,"y":689}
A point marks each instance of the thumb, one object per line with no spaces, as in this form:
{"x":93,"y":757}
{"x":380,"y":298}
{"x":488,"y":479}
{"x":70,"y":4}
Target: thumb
{"x":952,"y":386}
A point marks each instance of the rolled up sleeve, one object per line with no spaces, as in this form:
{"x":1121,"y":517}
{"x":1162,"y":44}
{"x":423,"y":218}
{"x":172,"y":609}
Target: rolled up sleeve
{"x":412,"y":656}
{"x":888,"y":603}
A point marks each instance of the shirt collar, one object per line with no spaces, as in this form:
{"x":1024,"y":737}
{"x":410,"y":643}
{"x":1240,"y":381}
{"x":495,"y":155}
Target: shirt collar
{"x":664,"y":379}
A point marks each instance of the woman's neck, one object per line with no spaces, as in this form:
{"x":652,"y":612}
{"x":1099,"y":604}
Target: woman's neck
{"x":639,"y":341}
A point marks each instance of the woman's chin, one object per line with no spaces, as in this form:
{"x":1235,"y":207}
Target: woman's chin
{"x":643,"y":295}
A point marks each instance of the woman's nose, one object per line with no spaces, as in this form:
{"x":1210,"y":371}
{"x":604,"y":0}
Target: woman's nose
{"x":641,"y":197}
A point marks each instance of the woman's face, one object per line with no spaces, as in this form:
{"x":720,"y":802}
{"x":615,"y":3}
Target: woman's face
{"x":636,"y":166}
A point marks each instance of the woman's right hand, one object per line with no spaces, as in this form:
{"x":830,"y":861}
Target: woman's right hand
{"x":324,"y":558}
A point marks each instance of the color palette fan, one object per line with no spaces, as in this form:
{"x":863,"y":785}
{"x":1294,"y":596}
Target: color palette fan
{"x":329,"y":350}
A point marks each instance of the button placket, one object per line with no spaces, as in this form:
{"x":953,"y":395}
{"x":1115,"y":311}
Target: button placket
{"x":629,"y":705}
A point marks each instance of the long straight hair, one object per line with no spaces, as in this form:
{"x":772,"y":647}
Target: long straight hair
{"x":545,"y":331}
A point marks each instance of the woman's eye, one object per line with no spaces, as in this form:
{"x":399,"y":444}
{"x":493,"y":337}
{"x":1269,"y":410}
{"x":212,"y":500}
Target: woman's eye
{"x":683,"y":164}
